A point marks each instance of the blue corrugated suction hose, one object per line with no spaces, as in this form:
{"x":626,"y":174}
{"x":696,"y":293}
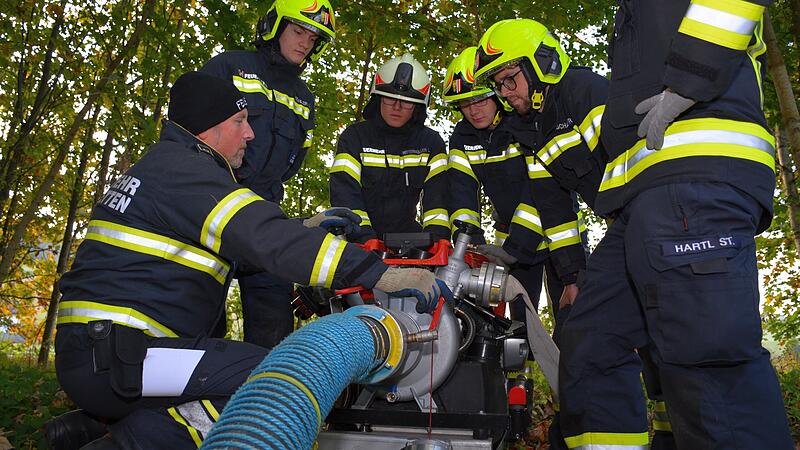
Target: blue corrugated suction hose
{"x":284,"y":401}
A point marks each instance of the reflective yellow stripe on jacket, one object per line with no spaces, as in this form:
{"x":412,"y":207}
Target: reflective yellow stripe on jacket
{"x":76,"y":311}
{"x":728,"y":23}
{"x":528,"y":217}
{"x":437,"y":165}
{"x":694,"y":137}
{"x":608,"y":441}
{"x":365,"y":222}
{"x":346,"y":163}
{"x":563,"y":235}
{"x":218,"y":218}
{"x":480,"y":156}
{"x":330,"y":252}
{"x":499,"y":237}
{"x":393,"y":161}
{"x":436,"y":216}
{"x":252,"y":86}
{"x":459,"y":161}
{"x":465,"y":215}
{"x":153,"y":244}
{"x":536,"y":169}
{"x":590,"y":127}
{"x":559,"y":145}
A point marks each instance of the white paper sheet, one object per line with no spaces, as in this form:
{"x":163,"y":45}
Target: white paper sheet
{"x":166,"y":371}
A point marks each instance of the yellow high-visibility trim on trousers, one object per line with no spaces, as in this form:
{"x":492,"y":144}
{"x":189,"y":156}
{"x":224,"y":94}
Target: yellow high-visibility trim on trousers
{"x":191,"y":430}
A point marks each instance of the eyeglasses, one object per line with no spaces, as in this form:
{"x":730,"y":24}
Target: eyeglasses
{"x":508,"y":82}
{"x":469,"y":103}
{"x":391,"y":102}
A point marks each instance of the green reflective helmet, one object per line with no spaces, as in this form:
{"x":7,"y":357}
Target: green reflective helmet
{"x":313,"y":15}
{"x":513,"y":40}
{"x":459,"y":82}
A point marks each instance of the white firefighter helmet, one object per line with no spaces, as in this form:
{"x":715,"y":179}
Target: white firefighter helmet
{"x":403,"y":78}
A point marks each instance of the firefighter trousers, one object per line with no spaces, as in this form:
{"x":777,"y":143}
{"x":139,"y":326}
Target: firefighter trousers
{"x":158,"y":392}
{"x":676,"y":272}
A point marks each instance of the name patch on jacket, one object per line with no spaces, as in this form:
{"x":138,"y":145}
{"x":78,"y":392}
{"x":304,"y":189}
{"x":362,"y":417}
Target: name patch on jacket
{"x":672,"y":248}
{"x":121,"y":192}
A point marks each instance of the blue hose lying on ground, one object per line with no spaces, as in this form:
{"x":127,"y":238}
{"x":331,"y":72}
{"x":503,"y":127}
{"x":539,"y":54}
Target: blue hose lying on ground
{"x":286,"y":398}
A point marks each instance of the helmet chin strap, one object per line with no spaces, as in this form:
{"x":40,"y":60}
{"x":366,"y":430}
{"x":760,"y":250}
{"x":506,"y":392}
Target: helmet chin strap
{"x":536,"y":88}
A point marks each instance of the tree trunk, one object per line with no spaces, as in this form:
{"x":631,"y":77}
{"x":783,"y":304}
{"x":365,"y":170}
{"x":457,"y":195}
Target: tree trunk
{"x":368,"y":51}
{"x":19,"y":230}
{"x":66,"y":243}
{"x":790,"y":184}
{"x":102,"y":170}
{"x":16,"y":149}
{"x":783,"y":88}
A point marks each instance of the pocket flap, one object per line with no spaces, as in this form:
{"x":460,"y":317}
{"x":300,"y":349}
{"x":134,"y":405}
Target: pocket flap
{"x":130,"y":345}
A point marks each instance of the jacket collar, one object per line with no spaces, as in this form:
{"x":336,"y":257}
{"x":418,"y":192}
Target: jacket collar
{"x":171,"y":131}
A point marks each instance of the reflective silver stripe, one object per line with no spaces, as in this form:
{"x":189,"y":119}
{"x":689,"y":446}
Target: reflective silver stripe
{"x":291,"y":103}
{"x":590,"y":131}
{"x":561,"y":235}
{"x":530,"y":217}
{"x":325,"y":267}
{"x":121,"y":318}
{"x":196,"y":417}
{"x":248,"y":85}
{"x":458,"y":160}
{"x":536,"y":169}
{"x":366,"y":158}
{"x":553,"y":150}
{"x":720,"y":19}
{"x":185,"y":252}
{"x":435,"y":217}
{"x":476,"y":156}
{"x":344,"y":162}
{"x":218,"y":222}
{"x":466,"y":216}
{"x":439,"y":162}
{"x":690,"y":137}
{"x":508,"y":153}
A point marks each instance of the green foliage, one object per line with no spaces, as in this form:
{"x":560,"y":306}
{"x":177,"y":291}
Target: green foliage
{"x":790,"y":383}
{"x":30,"y":398}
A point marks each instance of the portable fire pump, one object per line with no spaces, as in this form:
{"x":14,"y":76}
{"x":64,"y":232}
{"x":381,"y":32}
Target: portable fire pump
{"x":442,"y":383}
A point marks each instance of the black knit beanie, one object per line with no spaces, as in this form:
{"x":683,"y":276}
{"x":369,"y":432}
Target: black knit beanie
{"x":198,"y":101}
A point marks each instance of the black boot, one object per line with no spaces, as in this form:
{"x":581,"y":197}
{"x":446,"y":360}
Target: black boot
{"x":72,"y":430}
